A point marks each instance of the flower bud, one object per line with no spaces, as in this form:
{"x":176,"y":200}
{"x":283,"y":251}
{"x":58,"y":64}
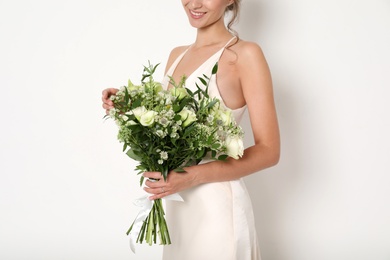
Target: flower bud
{"x":179,"y":93}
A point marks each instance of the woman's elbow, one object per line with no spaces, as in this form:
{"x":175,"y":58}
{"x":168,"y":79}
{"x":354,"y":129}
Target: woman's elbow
{"x":275,"y":157}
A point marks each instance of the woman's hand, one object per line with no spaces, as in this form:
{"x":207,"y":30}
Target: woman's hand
{"x":175,"y":182}
{"x":106,"y":94}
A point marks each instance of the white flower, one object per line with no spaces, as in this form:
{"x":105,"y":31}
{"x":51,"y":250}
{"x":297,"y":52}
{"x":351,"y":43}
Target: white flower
{"x":163,"y":121}
{"x":170,"y":113}
{"x":234,"y":146}
{"x":147,"y":119}
{"x":210,"y":118}
{"x":163,"y":155}
{"x":112,"y":112}
{"x":139,"y":111}
{"x":131,"y":122}
{"x":225,"y":116}
{"x":187,"y":116}
{"x":160,"y":133}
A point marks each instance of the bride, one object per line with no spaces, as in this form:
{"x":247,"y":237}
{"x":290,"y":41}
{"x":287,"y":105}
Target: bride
{"x":216,"y":221}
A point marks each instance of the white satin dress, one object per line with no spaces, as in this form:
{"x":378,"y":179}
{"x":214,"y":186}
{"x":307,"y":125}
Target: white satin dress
{"x":215,"y":221}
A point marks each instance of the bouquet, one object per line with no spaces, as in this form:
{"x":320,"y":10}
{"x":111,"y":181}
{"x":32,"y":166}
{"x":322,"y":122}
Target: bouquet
{"x":168,"y":130}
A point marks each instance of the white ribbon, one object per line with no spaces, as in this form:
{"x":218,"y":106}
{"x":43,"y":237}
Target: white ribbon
{"x":146,"y":206}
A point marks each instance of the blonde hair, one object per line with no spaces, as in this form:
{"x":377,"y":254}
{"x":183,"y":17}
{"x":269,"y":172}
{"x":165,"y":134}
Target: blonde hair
{"x":235,"y":9}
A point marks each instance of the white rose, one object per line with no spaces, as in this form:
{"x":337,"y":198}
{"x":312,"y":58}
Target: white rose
{"x":187,"y":117}
{"x":235,"y":147}
{"x":138,"y":112}
{"x":147,"y":118}
{"x":225,"y":116}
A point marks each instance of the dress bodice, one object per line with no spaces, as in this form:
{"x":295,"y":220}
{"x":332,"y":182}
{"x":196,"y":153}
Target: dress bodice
{"x":206,"y":69}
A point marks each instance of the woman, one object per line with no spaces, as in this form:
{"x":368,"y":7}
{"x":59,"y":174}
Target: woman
{"x":215,"y":221}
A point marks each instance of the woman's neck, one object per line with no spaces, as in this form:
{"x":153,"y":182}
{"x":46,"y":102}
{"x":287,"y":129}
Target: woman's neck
{"x":212,"y":35}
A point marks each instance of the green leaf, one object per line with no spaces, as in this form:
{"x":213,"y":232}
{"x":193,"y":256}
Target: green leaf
{"x":180,"y":170}
{"x":212,"y":103}
{"x":204,"y":82}
{"x":124,"y":147}
{"x":132,"y":154}
{"x":200,"y":153}
{"x":154,"y":68}
{"x":136,"y":103}
{"x":127,"y":98}
{"x":215,"y":69}
{"x":172,"y":82}
{"x":216,"y":146}
{"x":190,"y":92}
{"x":222,"y":157}
{"x":176,"y":108}
{"x":165,"y":173}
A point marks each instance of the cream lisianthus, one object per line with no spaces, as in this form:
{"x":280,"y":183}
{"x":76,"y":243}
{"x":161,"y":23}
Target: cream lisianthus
{"x":187,"y":117}
{"x":234,"y":146}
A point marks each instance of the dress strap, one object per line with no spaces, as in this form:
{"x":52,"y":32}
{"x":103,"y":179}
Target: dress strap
{"x":234,"y":37}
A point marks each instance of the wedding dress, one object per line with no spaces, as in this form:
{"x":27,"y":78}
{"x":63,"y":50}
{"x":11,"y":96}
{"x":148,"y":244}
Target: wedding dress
{"x":215,"y":221}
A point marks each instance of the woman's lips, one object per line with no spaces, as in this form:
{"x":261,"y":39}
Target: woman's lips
{"x":197,"y":15}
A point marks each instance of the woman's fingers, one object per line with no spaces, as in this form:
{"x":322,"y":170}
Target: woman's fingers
{"x":106,"y":94}
{"x":157,"y":193}
{"x":153,"y":175}
{"x":156,"y":185}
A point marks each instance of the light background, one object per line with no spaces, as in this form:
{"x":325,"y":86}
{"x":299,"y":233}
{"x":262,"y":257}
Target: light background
{"x":66,"y":189}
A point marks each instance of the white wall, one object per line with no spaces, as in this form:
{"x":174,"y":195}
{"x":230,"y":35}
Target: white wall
{"x":66,"y":188}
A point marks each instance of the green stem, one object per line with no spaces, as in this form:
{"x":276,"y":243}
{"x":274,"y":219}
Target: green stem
{"x":154,"y":226}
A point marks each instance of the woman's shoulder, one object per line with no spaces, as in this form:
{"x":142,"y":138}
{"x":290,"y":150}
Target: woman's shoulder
{"x":248,"y":49}
{"x":175,"y":52}
{"x":178,"y":50}
{"x":249,"y":53}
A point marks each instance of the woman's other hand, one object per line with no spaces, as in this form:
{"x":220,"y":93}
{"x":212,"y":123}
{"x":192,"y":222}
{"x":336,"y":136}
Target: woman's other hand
{"x":175,"y":182}
{"x":106,"y":94}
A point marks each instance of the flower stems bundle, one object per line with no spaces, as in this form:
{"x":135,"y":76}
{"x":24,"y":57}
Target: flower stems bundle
{"x":149,"y":227}
{"x":171,"y":129}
